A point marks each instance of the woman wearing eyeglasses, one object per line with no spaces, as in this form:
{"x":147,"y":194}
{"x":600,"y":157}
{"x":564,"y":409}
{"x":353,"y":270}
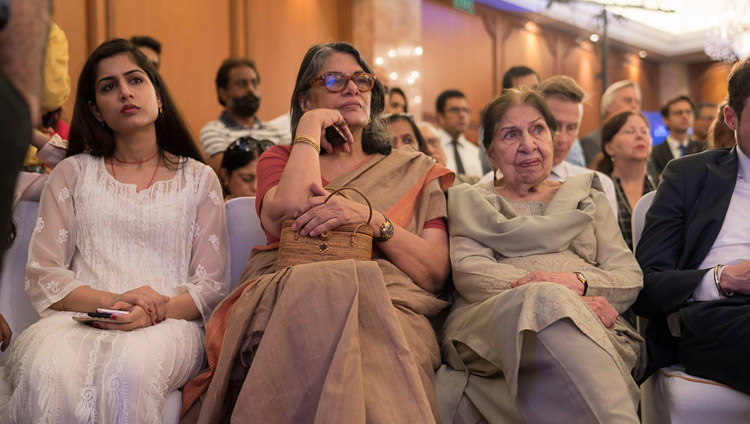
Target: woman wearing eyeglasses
{"x":338,"y":341}
{"x":239,"y":165}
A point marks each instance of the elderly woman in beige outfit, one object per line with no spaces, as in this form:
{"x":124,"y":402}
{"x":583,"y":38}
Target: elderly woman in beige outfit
{"x":542,"y":274}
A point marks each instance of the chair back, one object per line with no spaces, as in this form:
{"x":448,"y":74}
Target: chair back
{"x":14,"y":304}
{"x":245,"y":233}
{"x":639,"y":216}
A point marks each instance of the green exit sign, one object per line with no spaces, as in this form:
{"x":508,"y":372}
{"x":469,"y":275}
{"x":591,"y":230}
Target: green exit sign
{"x":464,"y":6}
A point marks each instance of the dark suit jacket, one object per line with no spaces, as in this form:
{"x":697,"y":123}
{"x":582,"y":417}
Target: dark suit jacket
{"x":681,"y":226}
{"x":661,"y":155}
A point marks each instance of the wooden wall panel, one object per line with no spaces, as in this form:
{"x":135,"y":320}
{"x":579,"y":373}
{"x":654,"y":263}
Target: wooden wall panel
{"x":708,"y":81}
{"x":583,"y":65}
{"x":279,"y":34}
{"x":457,"y":54}
{"x":195,"y":37}
{"x":71,"y":17}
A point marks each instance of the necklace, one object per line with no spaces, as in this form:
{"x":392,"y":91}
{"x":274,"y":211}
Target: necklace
{"x":112,"y":165}
{"x":135,"y":162}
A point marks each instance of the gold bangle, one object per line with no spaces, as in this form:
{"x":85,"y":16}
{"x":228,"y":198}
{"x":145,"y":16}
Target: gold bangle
{"x":301,"y":138}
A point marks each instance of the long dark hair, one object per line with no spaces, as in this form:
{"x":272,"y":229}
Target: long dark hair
{"x":88,"y":135}
{"x":610,"y":128}
{"x":376,"y":138}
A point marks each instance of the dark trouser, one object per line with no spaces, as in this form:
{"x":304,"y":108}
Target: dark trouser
{"x":715,"y":341}
{"x":15,"y":135}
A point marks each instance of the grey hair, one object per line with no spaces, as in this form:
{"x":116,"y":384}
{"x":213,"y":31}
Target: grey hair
{"x":375,"y":138}
{"x":609,"y":94}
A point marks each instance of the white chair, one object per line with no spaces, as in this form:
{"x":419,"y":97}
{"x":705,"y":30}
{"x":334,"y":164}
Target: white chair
{"x":14,"y":304}
{"x":671,"y":395}
{"x":245,"y":233}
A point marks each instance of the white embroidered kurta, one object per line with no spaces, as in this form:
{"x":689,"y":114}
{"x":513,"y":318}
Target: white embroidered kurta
{"x":93,"y":230}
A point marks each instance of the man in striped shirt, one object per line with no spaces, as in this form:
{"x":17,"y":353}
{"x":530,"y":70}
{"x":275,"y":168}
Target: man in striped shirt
{"x":238,"y":90}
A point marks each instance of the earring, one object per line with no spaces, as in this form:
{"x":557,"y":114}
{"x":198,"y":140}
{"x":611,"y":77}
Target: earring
{"x":161,"y":110}
{"x":494,"y":176}
{"x":367,"y":126}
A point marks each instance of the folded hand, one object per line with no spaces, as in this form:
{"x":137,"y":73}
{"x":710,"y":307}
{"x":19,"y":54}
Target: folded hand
{"x":607,"y":313}
{"x":152,"y":302}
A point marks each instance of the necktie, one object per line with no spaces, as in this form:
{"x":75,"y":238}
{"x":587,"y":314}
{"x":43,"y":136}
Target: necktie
{"x":683,"y":150}
{"x":459,"y":164}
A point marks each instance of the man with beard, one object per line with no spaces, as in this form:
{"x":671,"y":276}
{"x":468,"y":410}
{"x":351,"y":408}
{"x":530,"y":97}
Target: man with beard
{"x":238,"y":90}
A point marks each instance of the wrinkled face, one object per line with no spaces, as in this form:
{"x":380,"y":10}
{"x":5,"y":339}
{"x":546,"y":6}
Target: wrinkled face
{"x":125,"y":97}
{"x":625,"y":99}
{"x":395,"y":103}
{"x":353,"y":104}
{"x":522,"y":146}
{"x":568,"y":116}
{"x":680,"y":117}
{"x":703,"y":121}
{"x":242,"y":81}
{"x":632,"y":142}
{"x":455,"y":116}
{"x":403,"y":135}
{"x":242,"y":181}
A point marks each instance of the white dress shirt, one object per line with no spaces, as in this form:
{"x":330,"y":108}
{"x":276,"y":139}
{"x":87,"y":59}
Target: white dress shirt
{"x":469,"y":154}
{"x":674,"y":145}
{"x":732,"y":245}
{"x":564,"y":169}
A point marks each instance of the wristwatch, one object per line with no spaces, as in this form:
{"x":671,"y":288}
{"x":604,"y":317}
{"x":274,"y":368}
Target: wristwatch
{"x":582,"y":279}
{"x":386,"y":231}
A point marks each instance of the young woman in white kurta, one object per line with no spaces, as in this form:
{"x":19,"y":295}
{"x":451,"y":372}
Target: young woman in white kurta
{"x":131,"y":220}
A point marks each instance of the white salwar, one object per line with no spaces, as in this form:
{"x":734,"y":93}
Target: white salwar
{"x":93,"y":230}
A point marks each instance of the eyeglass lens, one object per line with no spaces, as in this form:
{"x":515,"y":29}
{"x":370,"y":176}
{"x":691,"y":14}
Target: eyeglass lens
{"x":337,"y":82}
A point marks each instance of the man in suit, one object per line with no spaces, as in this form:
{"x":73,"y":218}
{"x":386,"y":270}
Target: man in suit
{"x":453,"y":115}
{"x":620,"y":96}
{"x":677,"y":114}
{"x":705,"y":114}
{"x":695,"y":255}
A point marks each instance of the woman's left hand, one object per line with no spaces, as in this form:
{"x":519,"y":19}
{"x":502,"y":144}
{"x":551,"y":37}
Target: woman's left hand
{"x":137,"y":318}
{"x":567,"y":279}
{"x":314,"y":216}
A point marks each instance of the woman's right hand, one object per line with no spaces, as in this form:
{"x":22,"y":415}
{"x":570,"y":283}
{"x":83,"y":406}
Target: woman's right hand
{"x":314,"y":123}
{"x":154,"y":303}
{"x":607,"y":313}
{"x":137,"y":318}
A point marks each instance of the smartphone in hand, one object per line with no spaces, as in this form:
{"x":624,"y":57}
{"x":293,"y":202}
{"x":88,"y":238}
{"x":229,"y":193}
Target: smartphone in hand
{"x":335,"y":136}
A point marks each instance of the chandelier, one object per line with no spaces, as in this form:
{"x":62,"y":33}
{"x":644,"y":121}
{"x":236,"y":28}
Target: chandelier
{"x":730,"y":40}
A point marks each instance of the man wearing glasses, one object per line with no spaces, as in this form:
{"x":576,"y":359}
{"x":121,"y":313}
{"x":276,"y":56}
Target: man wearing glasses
{"x":238,"y":90}
{"x":453,"y":118}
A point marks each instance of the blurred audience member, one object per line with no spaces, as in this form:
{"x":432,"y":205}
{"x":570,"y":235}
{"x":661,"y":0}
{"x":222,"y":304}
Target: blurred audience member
{"x":239,"y":167}
{"x":620,"y":96}
{"x":626,"y":145}
{"x":453,"y":115}
{"x":429,"y":133}
{"x":677,"y":114}
{"x":719,"y":134}
{"x":395,"y":101}
{"x":23,"y":33}
{"x":704,"y":115}
{"x":150,"y":47}
{"x":405,"y":132}
{"x":238,"y":90}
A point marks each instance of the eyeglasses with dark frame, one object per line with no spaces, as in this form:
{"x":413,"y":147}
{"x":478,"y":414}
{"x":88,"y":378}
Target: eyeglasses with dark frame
{"x":336,"y":81}
{"x":248,"y":144}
